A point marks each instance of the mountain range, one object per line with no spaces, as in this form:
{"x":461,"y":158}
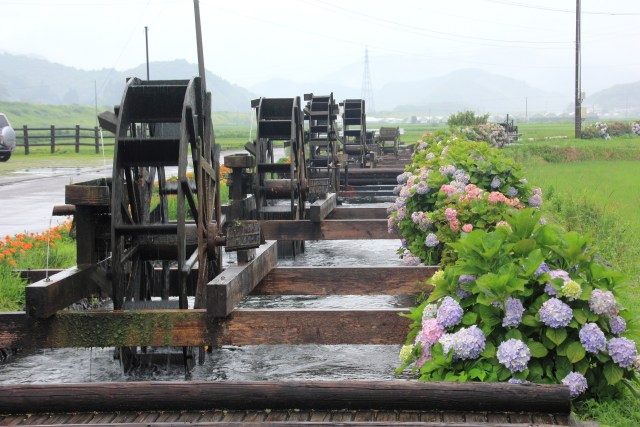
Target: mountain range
{"x":34,"y":80}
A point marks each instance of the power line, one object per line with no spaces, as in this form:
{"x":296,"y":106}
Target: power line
{"x":555,"y":9}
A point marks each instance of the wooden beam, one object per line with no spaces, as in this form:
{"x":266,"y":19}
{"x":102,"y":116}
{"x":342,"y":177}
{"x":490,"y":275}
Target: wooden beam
{"x":45,"y":297}
{"x":284,"y":395}
{"x":341,"y":212}
{"x":313,"y":326}
{"x":365,"y":280}
{"x":326,"y":230}
{"x":235,"y":282}
{"x":321,"y":208}
{"x":164,"y":328}
{"x":92,"y":193}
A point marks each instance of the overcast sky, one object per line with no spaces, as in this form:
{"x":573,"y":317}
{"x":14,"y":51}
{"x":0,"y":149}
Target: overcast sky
{"x":250,"y":41}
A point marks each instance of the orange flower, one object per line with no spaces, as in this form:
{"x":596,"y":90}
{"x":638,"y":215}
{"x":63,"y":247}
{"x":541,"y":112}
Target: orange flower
{"x":13,"y":262}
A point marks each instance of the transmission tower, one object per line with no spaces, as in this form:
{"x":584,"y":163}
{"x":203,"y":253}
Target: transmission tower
{"x":367,"y":91}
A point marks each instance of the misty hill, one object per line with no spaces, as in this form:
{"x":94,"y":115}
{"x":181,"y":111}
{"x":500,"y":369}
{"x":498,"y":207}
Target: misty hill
{"x":469,"y":89}
{"x":26,"y":79}
{"x":623,"y":99}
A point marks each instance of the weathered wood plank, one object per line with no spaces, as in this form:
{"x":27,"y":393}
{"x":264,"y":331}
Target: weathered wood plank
{"x":233,"y":284}
{"x":365,"y":280}
{"x":90,"y":193}
{"x":44,"y":298}
{"x":255,"y":327}
{"x":319,"y":209}
{"x":341,"y":212}
{"x":326,"y":230}
{"x":195,"y":328}
{"x":282,"y":395}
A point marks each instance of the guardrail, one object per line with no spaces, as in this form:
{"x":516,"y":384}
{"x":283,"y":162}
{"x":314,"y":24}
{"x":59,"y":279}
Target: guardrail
{"x":63,"y":136}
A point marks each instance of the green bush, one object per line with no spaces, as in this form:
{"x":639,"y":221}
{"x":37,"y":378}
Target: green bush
{"x":466,"y":118}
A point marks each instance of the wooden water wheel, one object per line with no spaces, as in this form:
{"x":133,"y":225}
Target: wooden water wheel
{"x":160,"y":125}
{"x":321,"y":114}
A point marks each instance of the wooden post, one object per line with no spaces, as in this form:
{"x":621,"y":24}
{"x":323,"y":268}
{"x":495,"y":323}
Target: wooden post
{"x":77,"y":138}
{"x":25,"y":133}
{"x":96,"y":133}
{"x":53,"y":139}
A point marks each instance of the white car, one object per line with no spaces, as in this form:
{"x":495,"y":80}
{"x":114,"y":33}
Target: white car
{"x":7,"y":138}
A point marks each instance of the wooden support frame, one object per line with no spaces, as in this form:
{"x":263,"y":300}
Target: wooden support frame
{"x":45,"y":297}
{"x":365,"y":280}
{"x":341,"y":212}
{"x":163,"y":328}
{"x":285,"y":395}
{"x":321,"y":208}
{"x":233,"y":284}
{"x":326,"y":230}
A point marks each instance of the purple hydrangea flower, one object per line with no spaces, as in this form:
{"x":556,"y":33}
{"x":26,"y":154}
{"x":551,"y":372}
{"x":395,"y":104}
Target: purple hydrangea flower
{"x":577,"y":383}
{"x":623,"y":351}
{"x":555,"y":313}
{"x":517,"y":381}
{"x":463,"y":293}
{"x":450,"y":313}
{"x":544,"y":268}
{"x":429,"y":311}
{"x":404,"y":177}
{"x":495,"y":182}
{"x":617,"y":325}
{"x":550,"y":290}
{"x":410,"y":259}
{"x":431,"y":240}
{"x":535,"y":201}
{"x":513,"y":312}
{"x":512,"y":192}
{"x":466,"y":344}
{"x":422,"y":188}
{"x":592,"y":338}
{"x":602,"y":302}
{"x":514,"y":355}
{"x":397,"y":189}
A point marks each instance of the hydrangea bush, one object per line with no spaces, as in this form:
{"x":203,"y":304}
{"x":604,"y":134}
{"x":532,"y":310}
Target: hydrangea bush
{"x":453,"y":186}
{"x":517,"y":299}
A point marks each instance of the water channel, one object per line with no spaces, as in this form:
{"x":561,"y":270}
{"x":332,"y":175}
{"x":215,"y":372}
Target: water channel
{"x":258,"y":363}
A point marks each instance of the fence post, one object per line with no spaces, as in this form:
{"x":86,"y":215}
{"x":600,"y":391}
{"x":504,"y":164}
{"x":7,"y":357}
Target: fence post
{"x":77,"y":138}
{"x":96,"y":132}
{"x":53,"y":139}
{"x":25,"y":136}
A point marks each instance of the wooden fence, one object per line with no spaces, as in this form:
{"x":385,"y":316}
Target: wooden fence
{"x":56,"y":136}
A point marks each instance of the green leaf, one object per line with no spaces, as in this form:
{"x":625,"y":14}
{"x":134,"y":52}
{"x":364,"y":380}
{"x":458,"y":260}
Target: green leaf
{"x":575,"y":352}
{"x":582,"y":366}
{"x":563,"y":367}
{"x":476,"y":373}
{"x":537,"y":349}
{"x":513,"y":333}
{"x":557,"y":336}
{"x":532,"y":262}
{"x":529,"y":320}
{"x":580,"y":316}
{"x":470,"y":318}
{"x":489,"y":350}
{"x":612,"y":373}
{"x":523,"y":247}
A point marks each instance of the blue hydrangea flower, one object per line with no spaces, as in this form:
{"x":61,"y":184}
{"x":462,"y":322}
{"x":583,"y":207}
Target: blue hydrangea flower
{"x":517,"y":381}
{"x":404,"y":177}
{"x":623,"y":351}
{"x":467,"y":343}
{"x":495,"y":182}
{"x":429,"y":311}
{"x":422,"y":188}
{"x":555,"y":313}
{"x":592,"y":338}
{"x":463,"y":293}
{"x":617,"y":325}
{"x":514,"y":355}
{"x":450,"y":313}
{"x":512,"y":192}
{"x":431,"y":240}
{"x":577,"y":383}
{"x":397,"y":188}
{"x":550,"y":290}
{"x":513,"y":312}
{"x":602,"y":302}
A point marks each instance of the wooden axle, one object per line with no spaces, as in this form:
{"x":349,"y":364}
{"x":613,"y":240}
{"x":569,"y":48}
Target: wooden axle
{"x":319,"y":395}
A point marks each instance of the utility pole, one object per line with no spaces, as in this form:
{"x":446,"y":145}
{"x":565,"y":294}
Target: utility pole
{"x":578,"y":99}
{"x":146,"y":40}
{"x":201,"y":69}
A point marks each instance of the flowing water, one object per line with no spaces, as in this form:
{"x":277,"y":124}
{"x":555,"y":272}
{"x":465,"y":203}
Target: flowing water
{"x":267,"y":362}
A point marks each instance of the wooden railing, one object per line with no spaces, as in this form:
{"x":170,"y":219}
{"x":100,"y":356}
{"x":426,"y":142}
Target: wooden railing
{"x":56,"y":136}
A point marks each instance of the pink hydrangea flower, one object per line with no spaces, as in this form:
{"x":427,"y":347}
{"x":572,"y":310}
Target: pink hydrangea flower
{"x":431,"y":331}
{"x":496,"y":197}
{"x":467,"y":228}
{"x":450,"y":214}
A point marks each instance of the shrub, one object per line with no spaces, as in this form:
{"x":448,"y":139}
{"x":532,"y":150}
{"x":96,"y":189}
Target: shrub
{"x":517,"y":299}
{"x":466,"y":118}
{"x":546,"y":310}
